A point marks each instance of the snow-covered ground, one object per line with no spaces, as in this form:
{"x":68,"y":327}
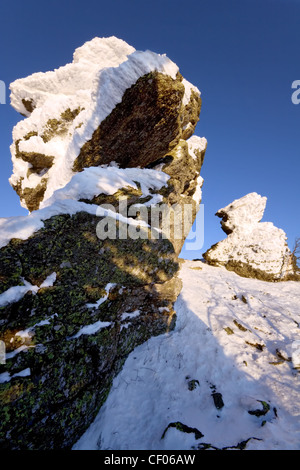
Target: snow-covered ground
{"x":229,"y":354}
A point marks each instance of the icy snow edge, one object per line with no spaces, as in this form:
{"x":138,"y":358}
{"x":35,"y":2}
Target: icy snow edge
{"x":84,"y":185}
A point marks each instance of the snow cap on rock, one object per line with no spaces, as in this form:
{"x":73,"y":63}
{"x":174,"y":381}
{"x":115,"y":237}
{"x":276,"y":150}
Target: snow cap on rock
{"x":111,"y":104}
{"x":244,"y":212}
{"x":252,"y":248}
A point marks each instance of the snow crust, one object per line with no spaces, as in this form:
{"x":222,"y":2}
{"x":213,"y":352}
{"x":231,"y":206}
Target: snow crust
{"x":23,"y":227}
{"x":108,"y":180}
{"x":98,"y":325}
{"x":188,"y":91}
{"x":133,"y":314}
{"x":92,"y":328}
{"x":15,"y":293}
{"x":94,"y":82}
{"x":197,"y":196}
{"x":75,"y":78}
{"x":17,"y":351}
{"x":49,"y":281}
{"x":29,"y":332}
{"x":152,"y":389}
{"x":243,"y":213}
{"x":195,"y":144}
{"x":6,"y":377}
{"x":27,"y":335}
{"x":84,"y":185}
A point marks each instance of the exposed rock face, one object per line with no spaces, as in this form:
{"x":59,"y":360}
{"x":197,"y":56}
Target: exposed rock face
{"x":74,"y":344}
{"x":81,"y":285}
{"x":252,"y":248}
{"x":147,"y":123}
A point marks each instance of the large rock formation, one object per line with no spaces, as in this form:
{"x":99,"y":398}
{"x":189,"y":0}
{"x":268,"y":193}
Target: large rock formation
{"x":252,"y":248}
{"x":106,"y":163}
{"x":111,"y":103}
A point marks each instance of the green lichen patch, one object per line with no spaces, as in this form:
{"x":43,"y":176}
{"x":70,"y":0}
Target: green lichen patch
{"x":260,"y":412}
{"x":10,"y":269}
{"x":183,"y":428}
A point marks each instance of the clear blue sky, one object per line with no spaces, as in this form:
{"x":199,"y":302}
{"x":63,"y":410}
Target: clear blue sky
{"x":242,"y":54}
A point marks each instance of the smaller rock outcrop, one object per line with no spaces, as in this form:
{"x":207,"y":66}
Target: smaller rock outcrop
{"x":253,"y":248}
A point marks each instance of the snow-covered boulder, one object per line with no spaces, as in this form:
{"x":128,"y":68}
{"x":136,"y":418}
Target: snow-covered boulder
{"x":112,"y":103}
{"x":252,"y":248}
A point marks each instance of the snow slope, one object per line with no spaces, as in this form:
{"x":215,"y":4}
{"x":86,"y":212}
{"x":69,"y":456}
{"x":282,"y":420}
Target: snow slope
{"x":234,"y":338}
